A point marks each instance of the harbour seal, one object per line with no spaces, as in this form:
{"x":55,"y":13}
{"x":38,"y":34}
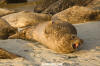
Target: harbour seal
{"x":25,"y":18}
{"x":5,"y":29}
{"x":77,"y":14}
{"x":58,"y":36}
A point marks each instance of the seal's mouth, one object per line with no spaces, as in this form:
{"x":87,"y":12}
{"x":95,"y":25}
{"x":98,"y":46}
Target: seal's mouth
{"x":75,"y":46}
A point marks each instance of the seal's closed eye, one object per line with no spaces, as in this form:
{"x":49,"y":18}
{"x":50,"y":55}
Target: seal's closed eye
{"x":72,"y":37}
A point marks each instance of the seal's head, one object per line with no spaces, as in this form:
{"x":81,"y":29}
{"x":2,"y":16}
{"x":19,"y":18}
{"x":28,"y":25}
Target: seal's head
{"x":62,"y":37}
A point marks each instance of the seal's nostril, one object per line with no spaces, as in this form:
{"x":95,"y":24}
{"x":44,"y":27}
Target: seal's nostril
{"x":74,"y":46}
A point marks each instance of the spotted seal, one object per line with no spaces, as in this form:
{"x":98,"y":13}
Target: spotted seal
{"x":25,"y":18}
{"x":61,"y":37}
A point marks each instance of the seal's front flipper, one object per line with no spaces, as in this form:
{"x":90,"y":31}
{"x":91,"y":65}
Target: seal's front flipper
{"x":18,"y":35}
{"x":15,"y":36}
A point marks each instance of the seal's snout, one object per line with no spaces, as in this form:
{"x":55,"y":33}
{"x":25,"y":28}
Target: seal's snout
{"x":77,"y":43}
{"x":75,"y":46}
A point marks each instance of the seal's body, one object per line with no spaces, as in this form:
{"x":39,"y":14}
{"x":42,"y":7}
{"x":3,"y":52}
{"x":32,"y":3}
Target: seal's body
{"x":58,"y":36}
{"x":25,"y":18}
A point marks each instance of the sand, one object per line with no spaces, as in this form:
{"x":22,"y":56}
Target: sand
{"x":34,"y":54}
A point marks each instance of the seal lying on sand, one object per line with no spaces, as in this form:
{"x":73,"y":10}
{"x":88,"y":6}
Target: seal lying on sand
{"x":58,"y":36}
{"x":77,"y":14}
{"x":5,"y":29}
{"x":25,"y":18}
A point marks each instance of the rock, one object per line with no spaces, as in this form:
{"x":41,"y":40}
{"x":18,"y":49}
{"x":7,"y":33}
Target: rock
{"x":77,"y":14}
{"x":25,"y":18}
{"x":64,"y":4}
{"x":5,"y":29}
{"x":5,"y":11}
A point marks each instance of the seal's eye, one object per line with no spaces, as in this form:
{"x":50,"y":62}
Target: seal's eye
{"x":72,"y":37}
